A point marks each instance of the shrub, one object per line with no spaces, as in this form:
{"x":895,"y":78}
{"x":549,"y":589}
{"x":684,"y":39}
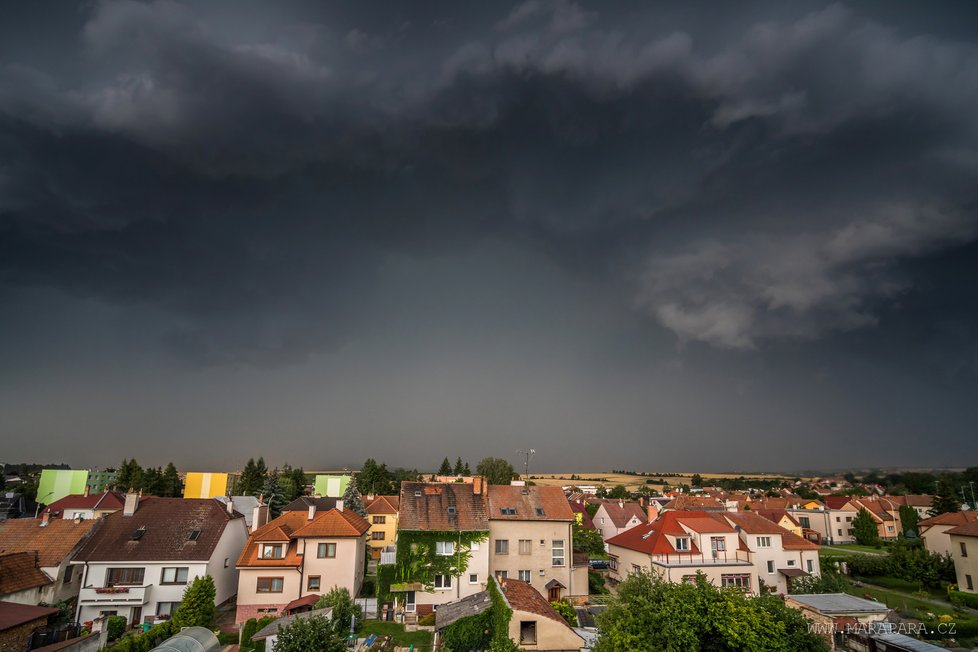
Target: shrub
{"x":197,"y":608}
{"x":116,"y":626}
{"x":427,"y":620}
{"x":343,"y":606}
{"x":227,"y":638}
{"x":961,"y":598}
{"x":566,"y":610}
{"x":595,"y":584}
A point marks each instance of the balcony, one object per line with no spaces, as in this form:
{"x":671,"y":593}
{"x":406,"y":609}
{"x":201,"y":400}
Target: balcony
{"x":388,"y":555}
{"x":134,"y":596}
{"x":719,"y":558}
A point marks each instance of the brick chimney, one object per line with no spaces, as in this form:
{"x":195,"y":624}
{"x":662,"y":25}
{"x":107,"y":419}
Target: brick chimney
{"x":652,"y":511}
{"x":87,"y":488}
{"x":45,"y":517}
{"x":260,"y":514}
{"x":132,"y":503}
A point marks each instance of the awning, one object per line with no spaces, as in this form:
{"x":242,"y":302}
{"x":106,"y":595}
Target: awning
{"x":407,"y":586}
{"x":553,"y":584}
{"x":792,"y":572}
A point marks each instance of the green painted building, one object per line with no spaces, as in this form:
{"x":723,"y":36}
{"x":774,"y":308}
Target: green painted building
{"x":332,"y":486}
{"x":55,"y":484}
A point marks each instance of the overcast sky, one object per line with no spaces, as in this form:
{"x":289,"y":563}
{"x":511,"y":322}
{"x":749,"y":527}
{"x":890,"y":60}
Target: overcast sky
{"x":715,"y":236}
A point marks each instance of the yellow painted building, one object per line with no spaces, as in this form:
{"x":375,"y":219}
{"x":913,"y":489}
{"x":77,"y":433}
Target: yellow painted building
{"x":205,"y":485}
{"x":382,"y":516}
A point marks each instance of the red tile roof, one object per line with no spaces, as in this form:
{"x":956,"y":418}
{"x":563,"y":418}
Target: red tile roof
{"x":650,"y":538}
{"x":384,"y":505}
{"x":791,"y":541}
{"x":621,"y":512}
{"x":523,"y":597}
{"x":694,"y":502}
{"x":426,"y":506}
{"x":291,"y":526}
{"x":13,"y":614}
{"x":966,"y":530}
{"x":167,"y":524}
{"x":108,"y":500}
{"x":752,"y":523}
{"x":538,"y":503}
{"x":776,"y":515}
{"x":20,"y":571}
{"x":581,"y":508}
{"x":836,"y":502}
{"x":53,"y":542}
{"x":951,"y":518}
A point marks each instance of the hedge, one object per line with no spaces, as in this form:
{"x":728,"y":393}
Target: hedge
{"x":962,"y":598}
{"x":962,"y":629}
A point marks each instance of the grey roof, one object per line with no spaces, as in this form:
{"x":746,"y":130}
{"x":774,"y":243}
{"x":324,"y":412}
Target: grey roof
{"x":272,"y":628}
{"x":902,"y":642}
{"x":243,"y":504}
{"x":471,"y":605}
{"x":839,"y":603}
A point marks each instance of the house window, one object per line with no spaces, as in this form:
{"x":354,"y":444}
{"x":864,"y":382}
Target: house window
{"x":174,"y":575}
{"x":379,"y":520}
{"x":805,"y":522}
{"x":770,"y":567}
{"x":473,"y":578}
{"x":810,"y":565}
{"x":528,"y":632}
{"x":68,"y":573}
{"x":313,"y":583}
{"x":682,"y":543}
{"x":838,"y":519}
{"x":558,"y":552}
{"x":525,"y":546}
{"x":227,"y":562}
{"x":443,"y":581}
{"x":124,"y":576}
{"x":502,"y":546}
{"x":737,"y":581}
{"x":763,"y":542}
{"x":689,"y":579}
{"x":791,"y":562}
{"x":964,"y":549}
{"x":270,"y":585}
{"x":273,"y":551}
{"x":326,"y":550}
{"x":840,"y":533}
{"x":969,"y":583}
{"x":474,"y":546}
{"x":524,"y":575}
{"x":166,"y":609}
{"x":718,"y":544}
{"x":848,"y":519}
{"x":508,"y":511}
{"x":444,"y":548}
{"x":378,"y":536}
{"x":613,"y":563}
{"x":501,"y":575}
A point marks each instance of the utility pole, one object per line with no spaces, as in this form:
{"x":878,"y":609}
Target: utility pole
{"x":971,"y":484}
{"x":526,"y":461}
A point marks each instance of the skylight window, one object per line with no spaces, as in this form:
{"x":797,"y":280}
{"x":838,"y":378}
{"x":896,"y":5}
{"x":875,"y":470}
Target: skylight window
{"x":452,"y":511}
{"x":539,"y":511}
{"x":138,"y":534}
{"x":508,"y":511}
{"x":194,"y":535}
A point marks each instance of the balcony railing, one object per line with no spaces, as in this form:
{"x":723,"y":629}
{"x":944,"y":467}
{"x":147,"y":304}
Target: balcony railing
{"x":388,"y":555}
{"x":114,"y":595}
{"x":720,"y":557}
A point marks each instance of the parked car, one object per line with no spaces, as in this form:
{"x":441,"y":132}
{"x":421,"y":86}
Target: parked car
{"x":598,"y":564}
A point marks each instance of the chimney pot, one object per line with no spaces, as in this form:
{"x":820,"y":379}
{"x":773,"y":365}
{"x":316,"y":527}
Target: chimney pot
{"x":230,"y":506}
{"x":87,"y":487}
{"x":339,"y":505}
{"x":45,"y":517}
{"x":132,"y":503}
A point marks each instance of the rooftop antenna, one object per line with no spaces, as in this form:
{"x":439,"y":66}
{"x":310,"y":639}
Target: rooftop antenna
{"x":527,"y":454}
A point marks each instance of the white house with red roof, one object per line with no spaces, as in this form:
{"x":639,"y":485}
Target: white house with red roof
{"x":616,"y":516}
{"x":87,"y":506}
{"x":778,"y":554}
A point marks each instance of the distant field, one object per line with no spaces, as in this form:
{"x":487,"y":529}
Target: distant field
{"x":632,"y":482}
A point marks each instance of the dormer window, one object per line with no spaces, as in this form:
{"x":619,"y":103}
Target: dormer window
{"x":273,"y":551}
{"x":508,"y":511}
{"x":682,"y":543}
{"x":452,"y":511}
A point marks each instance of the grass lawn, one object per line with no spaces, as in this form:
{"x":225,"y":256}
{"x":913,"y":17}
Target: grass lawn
{"x":939,"y":593}
{"x":401,"y":638}
{"x":855,"y":547}
{"x":900,"y":601}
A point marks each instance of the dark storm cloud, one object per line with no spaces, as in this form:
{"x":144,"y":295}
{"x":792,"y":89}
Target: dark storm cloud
{"x":739,"y":178}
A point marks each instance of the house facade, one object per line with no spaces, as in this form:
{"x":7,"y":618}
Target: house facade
{"x":382,"y":514}
{"x":531,"y":531}
{"x":298,"y":554}
{"x":841,"y":512}
{"x":616,"y":516}
{"x":964,"y":552}
{"x":778,"y":554}
{"x":87,"y":505}
{"x":933,"y":531}
{"x":141,"y":559}
{"x":35,"y":558}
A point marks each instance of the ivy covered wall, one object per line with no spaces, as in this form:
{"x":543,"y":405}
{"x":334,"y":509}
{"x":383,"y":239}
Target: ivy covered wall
{"x":417,"y":560}
{"x":486,"y":631}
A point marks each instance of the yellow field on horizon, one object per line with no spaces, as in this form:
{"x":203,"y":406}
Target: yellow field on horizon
{"x":633,"y":482}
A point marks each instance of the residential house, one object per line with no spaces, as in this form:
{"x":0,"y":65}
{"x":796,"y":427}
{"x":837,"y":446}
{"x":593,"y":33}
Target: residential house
{"x":702,"y":503}
{"x":534,"y":624}
{"x":782,"y":518}
{"x":141,"y":559}
{"x":616,"y":516}
{"x":841,"y":511}
{"x":245,"y":505}
{"x":679,"y":544}
{"x":885,"y":513}
{"x":382,"y":515}
{"x":581,"y":514}
{"x":531,"y":532}
{"x":331,"y":485}
{"x":36,"y":558}
{"x":87,"y":506}
{"x":921,"y":503}
{"x":300,"y":554}
{"x":459,"y":512}
{"x":303,"y":503}
{"x":269,"y":633}
{"x":778,"y":554}
{"x":205,"y":485}
{"x":933,"y":530}
{"x":55,"y":484}
{"x":836,"y":612}
{"x":19,"y":621}
{"x":964,"y":552}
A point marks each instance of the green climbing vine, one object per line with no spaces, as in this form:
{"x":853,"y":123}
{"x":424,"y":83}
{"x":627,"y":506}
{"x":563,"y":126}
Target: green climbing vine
{"x":417,"y":559}
{"x":486,"y":631}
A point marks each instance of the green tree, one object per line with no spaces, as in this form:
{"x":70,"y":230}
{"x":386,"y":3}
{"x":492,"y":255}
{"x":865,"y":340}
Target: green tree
{"x":130,"y":475}
{"x":352,"y":499}
{"x":619,"y":491}
{"x":909,"y":519}
{"x":495,"y":470}
{"x":696,"y":480}
{"x":588,"y":541}
{"x":864,"y":528}
{"x":197,"y":609}
{"x":153,"y":481}
{"x":445,"y":468}
{"x":459,"y":467}
{"x":272,"y":492}
{"x":170,"y":484}
{"x":945,"y":500}
{"x":375,"y":479}
{"x":650,"y":614}
{"x":312,"y":634}
{"x":293,"y":482}
{"x":344,"y":608}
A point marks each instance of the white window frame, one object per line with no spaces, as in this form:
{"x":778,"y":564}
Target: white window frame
{"x":524,"y":575}
{"x":444,"y":548}
{"x":558,"y":553}
{"x":763,"y":542}
{"x":175,"y":575}
{"x":682,"y":544}
{"x":442,"y":582}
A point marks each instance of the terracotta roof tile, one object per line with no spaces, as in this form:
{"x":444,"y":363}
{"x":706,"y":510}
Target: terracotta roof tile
{"x":384,"y":505}
{"x":52,"y":542}
{"x":651,"y":538}
{"x":951,"y":518}
{"x":694,"y":502}
{"x":523,"y":597}
{"x":443,"y":507}
{"x":107,"y":500}
{"x":836,"y":502}
{"x":966,"y":530}
{"x":168,"y":524}
{"x":20,"y":571}
{"x":752,"y":523}
{"x":291,"y":526}
{"x":537,"y":503}
{"x":621,"y":512}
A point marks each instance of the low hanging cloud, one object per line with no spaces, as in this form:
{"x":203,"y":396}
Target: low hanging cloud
{"x":738,"y":294}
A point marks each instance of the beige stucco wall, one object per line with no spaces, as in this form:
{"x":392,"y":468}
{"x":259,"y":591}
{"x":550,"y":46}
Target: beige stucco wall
{"x":539,"y":560}
{"x":344,"y":570}
{"x":937,"y":540}
{"x":607,"y":527}
{"x":965,"y":566}
{"x":248,"y":582}
{"x":782,"y":559}
{"x":841,"y":519}
{"x":461,"y":586}
{"x":552,"y":636}
{"x":628,"y":560}
{"x":389,"y":529}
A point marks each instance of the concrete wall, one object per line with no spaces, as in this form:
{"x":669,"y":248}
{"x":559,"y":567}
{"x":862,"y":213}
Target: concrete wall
{"x":461,"y":586}
{"x":628,"y":561}
{"x":552,"y":636}
{"x":222,"y":563}
{"x":539,"y":559}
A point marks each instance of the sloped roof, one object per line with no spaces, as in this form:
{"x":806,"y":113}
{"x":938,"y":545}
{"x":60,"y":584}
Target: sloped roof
{"x":425,"y":506}
{"x":776,"y":515}
{"x":837,"y":502}
{"x":13,"y":614}
{"x":384,"y":505}
{"x":581,"y":508}
{"x":19,"y":571}
{"x":167,"y":524}
{"x":291,"y":526}
{"x":752,"y":523}
{"x":303,"y":503}
{"x":537,"y":503}
{"x":791,"y":541}
{"x":107,"y":500}
{"x":272,"y":627}
{"x":951,"y":518}
{"x":470,"y":605}
{"x":966,"y":530}
{"x":839,"y":603}
{"x":621,"y":512}
{"x":914,"y":500}
{"x":688,"y":502}
{"x":334,"y":523}
{"x":52,"y":542}
{"x":651,"y":538}
{"x":523,"y":597}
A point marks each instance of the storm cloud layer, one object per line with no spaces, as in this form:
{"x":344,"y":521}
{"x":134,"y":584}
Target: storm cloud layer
{"x":549,"y":223}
